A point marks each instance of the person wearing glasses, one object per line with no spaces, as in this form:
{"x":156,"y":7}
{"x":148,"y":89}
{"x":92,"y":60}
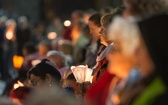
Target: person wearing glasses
{"x":44,"y":74}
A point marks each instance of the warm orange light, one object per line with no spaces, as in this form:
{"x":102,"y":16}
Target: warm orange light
{"x":35,"y":62}
{"x":18,"y":84}
{"x":67,"y":23}
{"x":52,"y":35}
{"x":9,"y":35}
{"x":17,"y":61}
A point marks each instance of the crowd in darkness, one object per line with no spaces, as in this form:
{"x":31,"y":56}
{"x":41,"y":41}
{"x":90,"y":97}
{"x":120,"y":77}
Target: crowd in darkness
{"x":124,"y":47}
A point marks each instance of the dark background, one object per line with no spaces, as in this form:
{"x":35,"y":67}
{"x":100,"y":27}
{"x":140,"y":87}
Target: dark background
{"x":45,"y":10}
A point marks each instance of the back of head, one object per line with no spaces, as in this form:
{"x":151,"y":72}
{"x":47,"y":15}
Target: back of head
{"x":43,"y":47}
{"x":107,"y":18}
{"x":95,"y":19}
{"x":57,"y":57}
{"x":46,"y":43}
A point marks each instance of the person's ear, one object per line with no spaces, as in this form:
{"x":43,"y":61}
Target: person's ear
{"x":48,"y":79}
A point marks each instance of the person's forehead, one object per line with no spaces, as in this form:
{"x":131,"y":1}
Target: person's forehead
{"x":91,"y":24}
{"x":33,"y":77}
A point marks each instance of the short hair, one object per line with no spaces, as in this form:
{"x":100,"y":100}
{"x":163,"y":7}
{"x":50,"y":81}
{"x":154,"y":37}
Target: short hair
{"x":58,"y":54}
{"x":71,"y":77}
{"x":44,"y":67}
{"x":96,"y":19}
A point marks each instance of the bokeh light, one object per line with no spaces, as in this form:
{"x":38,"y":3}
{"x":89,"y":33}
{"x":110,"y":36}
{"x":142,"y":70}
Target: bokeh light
{"x":67,"y":23}
{"x":52,"y":35}
{"x":9,"y":35}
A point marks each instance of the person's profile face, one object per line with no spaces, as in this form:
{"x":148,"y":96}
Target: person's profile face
{"x":94,"y":30}
{"x":36,"y":81}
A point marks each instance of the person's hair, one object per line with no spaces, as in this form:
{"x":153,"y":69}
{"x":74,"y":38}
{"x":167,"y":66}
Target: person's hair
{"x":61,"y":55}
{"x":43,"y":68}
{"x":47,"y":43}
{"x":66,"y":47}
{"x":96,"y":19}
{"x":71,"y":77}
{"x":146,"y":8}
{"x":107,"y":19}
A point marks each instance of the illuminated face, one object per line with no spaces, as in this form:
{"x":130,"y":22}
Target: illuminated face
{"x":94,"y":30}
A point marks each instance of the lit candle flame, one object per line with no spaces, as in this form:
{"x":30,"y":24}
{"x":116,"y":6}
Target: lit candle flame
{"x":18,"y":84}
{"x":18,"y":61}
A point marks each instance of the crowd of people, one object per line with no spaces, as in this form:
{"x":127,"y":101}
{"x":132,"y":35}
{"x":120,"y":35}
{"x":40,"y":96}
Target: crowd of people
{"x":126,"y":48}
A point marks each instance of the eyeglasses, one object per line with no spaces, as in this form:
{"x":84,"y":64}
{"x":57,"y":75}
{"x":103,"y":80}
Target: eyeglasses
{"x":34,"y":83}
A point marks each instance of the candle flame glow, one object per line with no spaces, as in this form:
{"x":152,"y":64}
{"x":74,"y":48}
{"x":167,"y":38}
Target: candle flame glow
{"x":18,"y":84}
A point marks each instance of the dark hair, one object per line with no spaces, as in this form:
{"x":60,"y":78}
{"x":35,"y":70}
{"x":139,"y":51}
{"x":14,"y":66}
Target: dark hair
{"x":44,"y":67}
{"x":71,"y":77}
{"x":96,"y":19}
{"x":47,"y":43}
{"x":29,"y":47}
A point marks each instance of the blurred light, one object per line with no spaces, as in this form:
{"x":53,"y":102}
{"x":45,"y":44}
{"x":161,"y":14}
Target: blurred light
{"x":9,"y":35}
{"x":18,"y":84}
{"x":17,"y":61}
{"x":52,"y":35}
{"x":67,"y":23}
{"x":35,"y":62}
